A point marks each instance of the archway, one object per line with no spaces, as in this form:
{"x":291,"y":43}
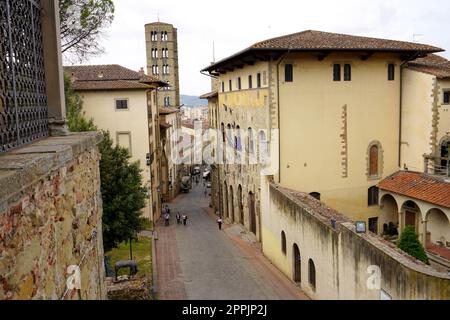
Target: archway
{"x":297,"y":263}
{"x":438,"y":227}
{"x":389,"y":215}
{"x":241,"y":205}
{"x":411,"y":213}
{"x":252,"y":212}
{"x":231,"y":204}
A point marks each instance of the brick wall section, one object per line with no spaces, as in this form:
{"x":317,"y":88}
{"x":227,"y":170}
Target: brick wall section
{"x":51,"y":218}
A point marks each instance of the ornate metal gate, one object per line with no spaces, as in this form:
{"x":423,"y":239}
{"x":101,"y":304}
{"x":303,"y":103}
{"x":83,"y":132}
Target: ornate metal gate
{"x":23,"y":100}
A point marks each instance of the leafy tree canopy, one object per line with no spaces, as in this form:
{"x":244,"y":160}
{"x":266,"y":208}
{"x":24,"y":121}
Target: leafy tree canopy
{"x":82,"y":22}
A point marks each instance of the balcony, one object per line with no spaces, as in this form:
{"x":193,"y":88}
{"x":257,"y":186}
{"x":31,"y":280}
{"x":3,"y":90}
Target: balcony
{"x":438,"y":166}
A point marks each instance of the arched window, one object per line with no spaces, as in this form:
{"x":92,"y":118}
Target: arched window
{"x":222,"y":128}
{"x":258,"y":80}
{"x":373,"y":161}
{"x":347,"y":72}
{"x":283,"y":242}
{"x":391,"y":71}
{"x":372,"y":196}
{"x":167,"y":69}
{"x":250,"y":82}
{"x":156,"y":53}
{"x":238,"y":139}
{"x":315,"y":195}
{"x":251,"y":142}
{"x":263,"y":150}
{"x":312,"y":274}
{"x":288,"y":73}
{"x":229,"y":135}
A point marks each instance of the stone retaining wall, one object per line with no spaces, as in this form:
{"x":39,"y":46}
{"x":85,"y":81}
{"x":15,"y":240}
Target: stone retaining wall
{"x":50,"y":219}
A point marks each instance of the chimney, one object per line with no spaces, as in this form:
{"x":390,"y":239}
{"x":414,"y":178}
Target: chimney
{"x":141,"y":72}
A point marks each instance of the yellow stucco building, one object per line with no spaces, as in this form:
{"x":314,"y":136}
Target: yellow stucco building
{"x":124,"y":102}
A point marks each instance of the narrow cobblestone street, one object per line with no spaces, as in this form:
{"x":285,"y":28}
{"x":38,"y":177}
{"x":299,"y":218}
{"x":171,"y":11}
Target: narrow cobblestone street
{"x":200,"y":262}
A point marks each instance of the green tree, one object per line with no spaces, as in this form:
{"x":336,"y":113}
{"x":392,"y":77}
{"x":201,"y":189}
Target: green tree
{"x":76,"y":120}
{"x":122,"y":192}
{"x":82,"y":22}
{"x":121,"y":181}
{"x":409,"y":242}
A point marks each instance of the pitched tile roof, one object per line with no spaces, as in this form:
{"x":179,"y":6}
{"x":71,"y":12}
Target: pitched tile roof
{"x":168,"y":110}
{"x":432,"y":189}
{"x":209,"y":95}
{"x":311,"y":40}
{"x":109,"y":77}
{"x":432,"y":64}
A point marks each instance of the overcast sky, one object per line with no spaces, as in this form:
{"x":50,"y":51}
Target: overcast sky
{"x":236,"y":24}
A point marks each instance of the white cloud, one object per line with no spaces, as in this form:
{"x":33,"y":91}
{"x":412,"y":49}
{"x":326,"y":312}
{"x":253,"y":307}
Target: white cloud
{"x":236,"y":24}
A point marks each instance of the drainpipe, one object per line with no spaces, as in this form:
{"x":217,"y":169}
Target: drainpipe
{"x":413,"y":57}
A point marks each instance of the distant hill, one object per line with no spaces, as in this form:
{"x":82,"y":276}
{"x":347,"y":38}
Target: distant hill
{"x":192,"y":101}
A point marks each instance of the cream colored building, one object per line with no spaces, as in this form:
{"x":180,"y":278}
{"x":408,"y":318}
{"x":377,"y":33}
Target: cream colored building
{"x":337,"y":104}
{"x":170,"y":168}
{"x":121,"y":101}
{"x":337,"y":108}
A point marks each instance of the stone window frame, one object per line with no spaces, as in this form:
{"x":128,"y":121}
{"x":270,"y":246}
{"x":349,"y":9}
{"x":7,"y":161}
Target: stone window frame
{"x":121,"y":99}
{"x":380,"y":160}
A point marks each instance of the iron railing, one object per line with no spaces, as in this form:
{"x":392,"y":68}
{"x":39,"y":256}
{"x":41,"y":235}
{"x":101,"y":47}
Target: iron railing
{"x":23,"y":100}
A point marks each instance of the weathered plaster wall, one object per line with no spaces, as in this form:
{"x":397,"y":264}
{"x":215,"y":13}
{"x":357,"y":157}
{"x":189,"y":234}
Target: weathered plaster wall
{"x":323,"y":146}
{"x":341,"y":256}
{"x":51,"y":218}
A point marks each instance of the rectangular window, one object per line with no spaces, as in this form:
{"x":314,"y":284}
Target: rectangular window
{"x":258,"y":80}
{"x":124,"y":140}
{"x":121,"y":104}
{"x":347,"y":72}
{"x":250,"y":82}
{"x":288,"y":73}
{"x":239,"y":83}
{"x":336,"y":72}
{"x":230,"y":85}
{"x":372,"y":196}
{"x":264,"y":77}
{"x":446,"y":97}
{"x":223,"y":86}
{"x":391,"y":72}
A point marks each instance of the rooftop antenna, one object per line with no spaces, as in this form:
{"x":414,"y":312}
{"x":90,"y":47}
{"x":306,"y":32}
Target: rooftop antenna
{"x":415,"y":35}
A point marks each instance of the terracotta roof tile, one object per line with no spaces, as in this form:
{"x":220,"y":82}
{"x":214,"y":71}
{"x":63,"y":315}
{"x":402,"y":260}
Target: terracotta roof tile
{"x":311,"y":40}
{"x":109,"y":77}
{"x":432,"y":64}
{"x":435,"y":190}
{"x":168,"y":110}
{"x":209,"y":95}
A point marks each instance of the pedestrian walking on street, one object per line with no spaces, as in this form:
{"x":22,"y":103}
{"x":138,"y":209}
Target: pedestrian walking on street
{"x":166,"y":219}
{"x":184,"y":219}
{"x":178,"y":218}
{"x":219,"y":222}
